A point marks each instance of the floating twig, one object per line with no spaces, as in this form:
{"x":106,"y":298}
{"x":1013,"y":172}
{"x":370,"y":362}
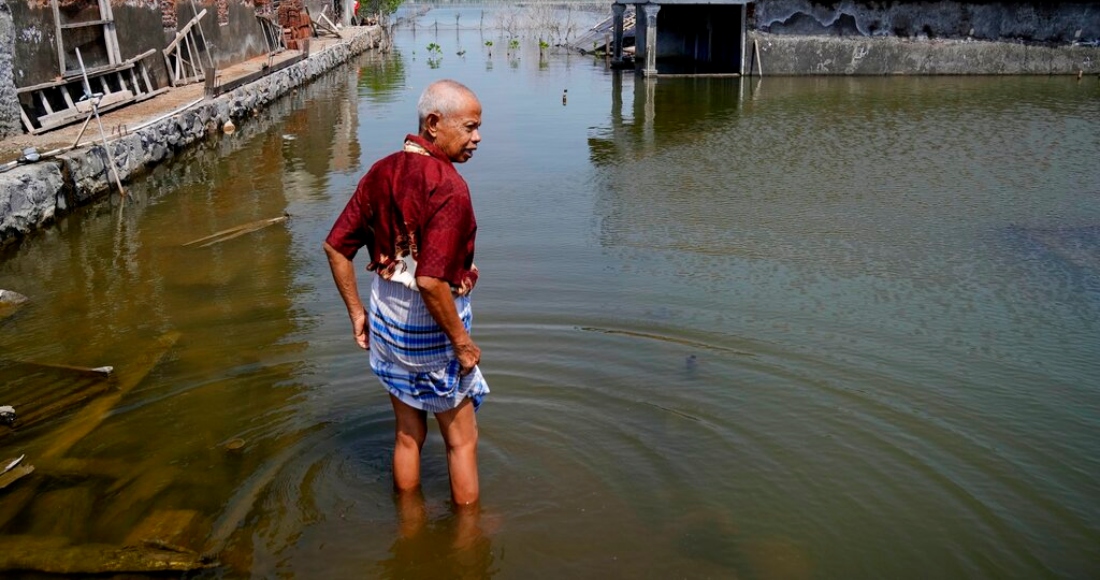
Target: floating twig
{"x":236,"y":231}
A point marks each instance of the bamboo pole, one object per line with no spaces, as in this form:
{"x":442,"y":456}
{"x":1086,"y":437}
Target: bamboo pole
{"x":235,"y":231}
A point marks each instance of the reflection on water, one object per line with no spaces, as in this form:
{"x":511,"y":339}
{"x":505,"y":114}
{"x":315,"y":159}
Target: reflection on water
{"x":790,"y":328}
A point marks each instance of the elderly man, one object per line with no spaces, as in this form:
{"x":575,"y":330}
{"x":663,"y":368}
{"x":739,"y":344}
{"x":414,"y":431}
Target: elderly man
{"x":412,"y":211}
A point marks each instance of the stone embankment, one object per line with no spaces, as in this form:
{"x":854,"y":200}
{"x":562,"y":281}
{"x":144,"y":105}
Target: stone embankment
{"x":33,"y":195}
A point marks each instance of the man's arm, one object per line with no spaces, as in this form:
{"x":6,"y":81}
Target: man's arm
{"x":441,"y":304}
{"x":343,"y":273}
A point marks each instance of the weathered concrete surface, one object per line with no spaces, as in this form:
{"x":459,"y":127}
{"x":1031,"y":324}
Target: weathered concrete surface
{"x":782,"y":54}
{"x":9,"y":108}
{"x":32,"y":196}
{"x":1041,"y":22}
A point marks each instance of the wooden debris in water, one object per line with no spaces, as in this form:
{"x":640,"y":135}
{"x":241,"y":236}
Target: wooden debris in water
{"x":87,"y":419}
{"x":56,"y":556}
{"x":132,"y":494}
{"x":236,"y":231}
{"x":9,"y":464}
{"x":92,"y":415}
{"x":43,"y":392}
{"x":66,"y":512}
{"x":175,"y":530}
{"x":104,"y":371}
{"x":15,"y":474}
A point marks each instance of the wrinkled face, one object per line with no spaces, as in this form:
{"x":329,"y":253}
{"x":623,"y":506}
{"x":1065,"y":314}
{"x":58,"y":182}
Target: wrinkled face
{"x":457,"y":134}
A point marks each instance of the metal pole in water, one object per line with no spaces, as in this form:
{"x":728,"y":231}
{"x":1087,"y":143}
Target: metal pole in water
{"x":94,"y":100}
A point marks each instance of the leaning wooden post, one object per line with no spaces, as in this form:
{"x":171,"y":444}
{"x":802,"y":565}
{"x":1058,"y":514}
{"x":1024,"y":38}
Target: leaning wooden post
{"x":756,"y":51}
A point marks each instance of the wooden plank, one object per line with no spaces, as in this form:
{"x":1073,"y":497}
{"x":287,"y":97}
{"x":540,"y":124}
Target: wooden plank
{"x":40,"y":86}
{"x":91,"y":416}
{"x":27,"y":124}
{"x":145,"y":77}
{"x":45,"y":103}
{"x":60,"y":41}
{"x":193,"y":56}
{"x":71,"y":25}
{"x":183,"y":31}
{"x":97,"y":71}
{"x":65,"y":95}
{"x":244,"y":80}
{"x":108,"y":99}
{"x":137,"y":59}
{"x":110,"y":32}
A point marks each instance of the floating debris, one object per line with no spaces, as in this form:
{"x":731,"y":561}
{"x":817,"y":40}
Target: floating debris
{"x":14,"y":474}
{"x":56,"y":556}
{"x":236,"y":231}
{"x":234,"y":445}
{"x":7,"y":416}
{"x":11,"y":463}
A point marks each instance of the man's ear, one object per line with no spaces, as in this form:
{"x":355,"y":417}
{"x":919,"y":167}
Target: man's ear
{"x":431,"y":124}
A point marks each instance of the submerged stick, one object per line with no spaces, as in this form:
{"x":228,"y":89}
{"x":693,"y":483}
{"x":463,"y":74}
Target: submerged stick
{"x":14,"y":474}
{"x":104,"y":371}
{"x":86,"y":420}
{"x":91,"y":416}
{"x":230,"y":233}
{"x":53,"y":556}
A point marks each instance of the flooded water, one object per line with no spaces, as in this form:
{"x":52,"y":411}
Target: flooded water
{"x":734,"y":328}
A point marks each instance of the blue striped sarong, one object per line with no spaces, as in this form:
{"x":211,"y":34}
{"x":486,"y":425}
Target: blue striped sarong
{"x":412,"y":356}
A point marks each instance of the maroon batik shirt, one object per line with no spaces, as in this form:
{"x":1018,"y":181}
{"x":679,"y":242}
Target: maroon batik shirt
{"x":412,"y":203}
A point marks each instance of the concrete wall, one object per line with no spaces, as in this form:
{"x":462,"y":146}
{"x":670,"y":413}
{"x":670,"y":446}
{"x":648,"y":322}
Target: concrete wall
{"x":35,"y":58}
{"x":237,"y":40}
{"x":9,"y":109}
{"x":818,"y":55}
{"x":138,"y":26}
{"x":861,"y":37}
{"x":1041,"y":22}
{"x":33,"y":196}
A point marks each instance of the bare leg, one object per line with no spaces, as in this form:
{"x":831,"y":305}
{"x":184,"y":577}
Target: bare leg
{"x":411,"y":512}
{"x":410,"y":431}
{"x":459,"y":429}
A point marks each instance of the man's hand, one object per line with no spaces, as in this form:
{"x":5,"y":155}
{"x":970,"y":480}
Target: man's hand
{"x":441,"y":304}
{"x":359,"y":329}
{"x":468,"y":355}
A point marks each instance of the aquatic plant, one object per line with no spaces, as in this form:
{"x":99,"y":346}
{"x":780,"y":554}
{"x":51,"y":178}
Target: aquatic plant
{"x":435,"y":54}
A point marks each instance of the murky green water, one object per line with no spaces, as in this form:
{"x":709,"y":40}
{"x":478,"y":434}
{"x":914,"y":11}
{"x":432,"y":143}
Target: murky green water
{"x":790,"y":328}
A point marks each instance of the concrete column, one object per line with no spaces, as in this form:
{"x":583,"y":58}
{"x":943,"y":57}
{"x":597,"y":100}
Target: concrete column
{"x":744,"y":28}
{"x":617,"y":28}
{"x":646,"y":20}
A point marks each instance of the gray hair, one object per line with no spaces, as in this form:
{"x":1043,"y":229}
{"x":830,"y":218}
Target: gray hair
{"x":442,"y":98}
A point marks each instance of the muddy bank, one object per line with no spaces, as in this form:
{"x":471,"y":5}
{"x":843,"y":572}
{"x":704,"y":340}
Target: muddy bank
{"x":33,"y":195}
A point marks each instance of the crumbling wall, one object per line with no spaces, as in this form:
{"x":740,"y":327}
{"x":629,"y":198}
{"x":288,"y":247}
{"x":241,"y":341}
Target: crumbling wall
{"x":9,"y":108}
{"x":1035,"y":22}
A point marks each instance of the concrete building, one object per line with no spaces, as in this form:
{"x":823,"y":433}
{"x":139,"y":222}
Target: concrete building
{"x":858,"y":37}
{"x":685,"y":36}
